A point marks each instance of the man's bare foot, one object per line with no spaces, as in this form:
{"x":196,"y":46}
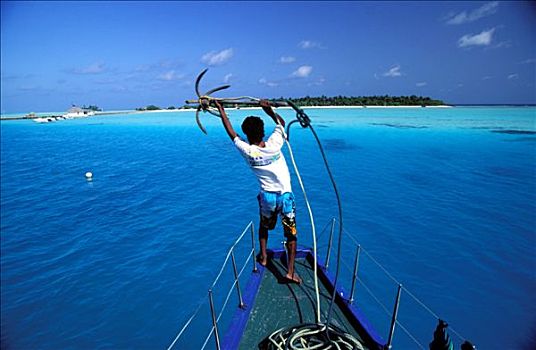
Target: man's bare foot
{"x":294,"y":278}
{"x":263,"y":260}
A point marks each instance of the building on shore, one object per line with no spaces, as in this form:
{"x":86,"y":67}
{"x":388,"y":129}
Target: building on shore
{"x":77,"y":112}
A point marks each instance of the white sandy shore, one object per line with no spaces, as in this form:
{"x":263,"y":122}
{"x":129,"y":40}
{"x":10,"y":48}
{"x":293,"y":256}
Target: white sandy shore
{"x":120,"y":112}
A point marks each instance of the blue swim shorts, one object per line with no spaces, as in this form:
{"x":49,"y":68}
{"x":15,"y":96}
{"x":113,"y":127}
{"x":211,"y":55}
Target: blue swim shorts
{"x":271,"y":204}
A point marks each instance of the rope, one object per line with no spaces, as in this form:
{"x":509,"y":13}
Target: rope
{"x":311,"y":218}
{"x":311,"y":337}
{"x":339,"y":205}
{"x":303,"y":119}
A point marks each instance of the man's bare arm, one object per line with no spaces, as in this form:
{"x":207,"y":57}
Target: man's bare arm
{"x":226,"y":122}
{"x":268,"y":110}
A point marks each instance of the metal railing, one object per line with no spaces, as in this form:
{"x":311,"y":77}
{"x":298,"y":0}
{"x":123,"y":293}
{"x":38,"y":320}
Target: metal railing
{"x":400,"y":289}
{"x":237,"y":274}
{"x":356,"y":280}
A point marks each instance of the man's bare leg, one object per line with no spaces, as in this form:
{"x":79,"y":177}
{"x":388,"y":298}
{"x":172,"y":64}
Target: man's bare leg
{"x":263,"y":239}
{"x":291,"y":250}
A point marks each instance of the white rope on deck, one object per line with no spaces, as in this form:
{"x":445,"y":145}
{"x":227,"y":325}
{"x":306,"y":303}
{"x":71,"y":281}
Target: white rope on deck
{"x":313,"y":229}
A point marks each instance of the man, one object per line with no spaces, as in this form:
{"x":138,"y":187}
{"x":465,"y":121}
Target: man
{"x":268,"y":163}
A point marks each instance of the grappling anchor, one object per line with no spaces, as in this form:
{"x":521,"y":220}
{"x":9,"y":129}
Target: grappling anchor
{"x":205,"y":102}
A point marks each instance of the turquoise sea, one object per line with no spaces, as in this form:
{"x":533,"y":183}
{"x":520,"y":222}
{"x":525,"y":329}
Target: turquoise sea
{"x":444,"y":199}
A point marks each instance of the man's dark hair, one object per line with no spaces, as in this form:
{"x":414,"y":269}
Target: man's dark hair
{"x":253,"y":127}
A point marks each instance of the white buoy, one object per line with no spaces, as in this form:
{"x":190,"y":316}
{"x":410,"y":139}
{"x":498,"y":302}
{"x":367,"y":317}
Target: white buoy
{"x":89,"y":175}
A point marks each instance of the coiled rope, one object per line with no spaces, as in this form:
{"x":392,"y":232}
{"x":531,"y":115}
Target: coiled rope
{"x":311,"y":336}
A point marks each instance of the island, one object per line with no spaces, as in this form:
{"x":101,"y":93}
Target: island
{"x":364,"y":101}
{"x":352,"y":101}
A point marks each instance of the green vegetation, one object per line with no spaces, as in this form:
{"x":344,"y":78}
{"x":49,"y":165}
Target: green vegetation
{"x":171,"y":107}
{"x":149,"y":108}
{"x":92,"y":108}
{"x":376,"y":100}
{"x":385,"y":100}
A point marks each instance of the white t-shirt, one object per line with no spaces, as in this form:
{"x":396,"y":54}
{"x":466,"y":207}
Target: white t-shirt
{"x":268,"y":162}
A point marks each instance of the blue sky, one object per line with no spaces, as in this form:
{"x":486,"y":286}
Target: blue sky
{"x":130,"y":54}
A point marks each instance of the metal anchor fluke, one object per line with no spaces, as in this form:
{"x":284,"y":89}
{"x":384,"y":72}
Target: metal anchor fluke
{"x":204,"y":100}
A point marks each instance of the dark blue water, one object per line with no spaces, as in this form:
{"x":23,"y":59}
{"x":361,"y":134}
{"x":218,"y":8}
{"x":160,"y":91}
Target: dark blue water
{"x":444,"y":199}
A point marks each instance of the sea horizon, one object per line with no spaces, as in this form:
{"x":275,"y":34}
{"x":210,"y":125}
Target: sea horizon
{"x":181,"y":109}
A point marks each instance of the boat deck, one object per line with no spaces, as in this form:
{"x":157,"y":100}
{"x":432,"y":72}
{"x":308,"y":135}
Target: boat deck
{"x":279,"y":304}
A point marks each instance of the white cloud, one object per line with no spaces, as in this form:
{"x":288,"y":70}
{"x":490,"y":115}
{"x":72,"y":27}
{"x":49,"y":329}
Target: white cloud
{"x":214,"y":58}
{"x":485,"y":10}
{"x":94,"y":68}
{"x":487,"y":77}
{"x":286,"y":59}
{"x":393,"y":72}
{"x":263,"y":81}
{"x":170,"y":75}
{"x":482,"y":39}
{"x":423,"y":83}
{"x":513,"y":76}
{"x":302,"y":72}
{"x":227,"y":78}
{"x":308,"y":44}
